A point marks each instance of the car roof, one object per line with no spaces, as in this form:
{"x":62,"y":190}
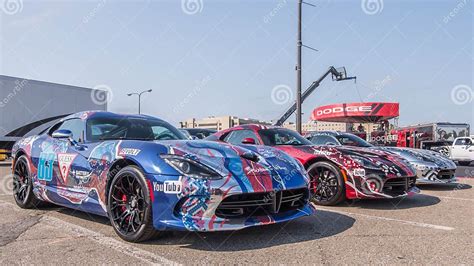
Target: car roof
{"x":327,"y":133}
{"x":253,"y":127}
{"x":104,"y":114}
{"x":199,"y":129}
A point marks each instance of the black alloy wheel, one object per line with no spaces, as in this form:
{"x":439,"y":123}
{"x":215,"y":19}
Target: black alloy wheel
{"x":23,"y":185}
{"x":327,"y":184}
{"x":129,"y":205}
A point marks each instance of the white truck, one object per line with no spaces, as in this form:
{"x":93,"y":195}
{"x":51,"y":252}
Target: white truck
{"x":462,"y":150}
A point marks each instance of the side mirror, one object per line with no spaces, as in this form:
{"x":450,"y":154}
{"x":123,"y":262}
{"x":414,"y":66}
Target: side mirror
{"x":331,"y":144}
{"x":62,"y":134}
{"x":249,"y":141}
{"x":194,"y":138}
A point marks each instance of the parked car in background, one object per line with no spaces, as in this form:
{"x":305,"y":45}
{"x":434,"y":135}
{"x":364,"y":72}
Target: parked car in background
{"x":431,"y":166}
{"x":462,"y":150}
{"x":336,"y":172}
{"x":198,"y":133}
{"x":186,"y":133}
{"x":141,"y":173}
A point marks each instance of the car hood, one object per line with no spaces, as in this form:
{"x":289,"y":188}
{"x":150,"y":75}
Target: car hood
{"x":243,"y":163}
{"x":421,"y":156}
{"x":347,"y":157}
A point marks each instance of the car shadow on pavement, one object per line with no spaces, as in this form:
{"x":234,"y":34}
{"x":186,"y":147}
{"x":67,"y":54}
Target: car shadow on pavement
{"x":82,"y":215}
{"x":445,"y":187}
{"x":320,"y":225}
{"x":416,"y":201}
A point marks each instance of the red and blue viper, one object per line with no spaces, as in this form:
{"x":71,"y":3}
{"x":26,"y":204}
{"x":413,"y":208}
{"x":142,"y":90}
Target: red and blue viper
{"x":79,"y":178}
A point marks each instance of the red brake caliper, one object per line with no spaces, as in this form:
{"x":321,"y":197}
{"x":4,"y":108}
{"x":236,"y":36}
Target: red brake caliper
{"x":313,"y":184}
{"x":124,"y":200}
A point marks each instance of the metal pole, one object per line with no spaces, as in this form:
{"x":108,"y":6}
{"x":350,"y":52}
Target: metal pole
{"x":139,"y":102}
{"x":298,"y":71}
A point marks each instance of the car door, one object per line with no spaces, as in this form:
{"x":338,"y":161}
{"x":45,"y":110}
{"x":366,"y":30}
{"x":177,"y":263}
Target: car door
{"x":460,"y":149}
{"x":71,"y":177}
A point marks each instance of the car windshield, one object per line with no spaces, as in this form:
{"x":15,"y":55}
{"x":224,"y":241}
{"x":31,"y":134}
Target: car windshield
{"x":200,"y":133}
{"x":281,"y":136}
{"x":352,"y":140}
{"x":130,"y":128}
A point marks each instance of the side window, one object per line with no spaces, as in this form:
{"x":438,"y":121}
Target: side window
{"x":236,"y":137}
{"x":323,"y":140}
{"x":462,"y":142}
{"x":76,"y":126}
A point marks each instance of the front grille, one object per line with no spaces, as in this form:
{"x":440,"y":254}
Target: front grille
{"x":259,"y":204}
{"x":398,"y":186}
{"x":446,"y":174}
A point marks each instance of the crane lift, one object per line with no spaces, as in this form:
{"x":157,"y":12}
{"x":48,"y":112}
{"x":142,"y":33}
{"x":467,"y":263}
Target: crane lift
{"x":338,"y":74}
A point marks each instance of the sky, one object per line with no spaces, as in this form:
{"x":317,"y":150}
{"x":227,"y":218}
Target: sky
{"x":237,"y":57}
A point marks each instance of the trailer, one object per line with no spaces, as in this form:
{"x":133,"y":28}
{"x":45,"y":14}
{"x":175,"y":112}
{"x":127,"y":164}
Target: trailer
{"x":433,"y":136}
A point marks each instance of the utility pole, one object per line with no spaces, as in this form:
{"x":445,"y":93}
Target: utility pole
{"x":299,"y":44}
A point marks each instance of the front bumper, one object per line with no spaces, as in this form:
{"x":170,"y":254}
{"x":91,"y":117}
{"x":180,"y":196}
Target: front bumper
{"x":436,"y":176}
{"x":388,"y":188}
{"x":221,"y":205}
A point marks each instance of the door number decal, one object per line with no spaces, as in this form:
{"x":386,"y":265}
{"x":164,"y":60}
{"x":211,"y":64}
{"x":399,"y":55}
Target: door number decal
{"x":46,"y":166}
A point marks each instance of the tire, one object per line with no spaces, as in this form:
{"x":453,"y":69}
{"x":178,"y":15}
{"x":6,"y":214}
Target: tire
{"x":23,"y":185}
{"x":130,"y":210}
{"x":330,"y":181}
{"x":464,"y":163}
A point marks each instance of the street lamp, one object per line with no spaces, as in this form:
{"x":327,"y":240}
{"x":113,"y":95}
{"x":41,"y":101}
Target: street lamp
{"x":139,"y":97}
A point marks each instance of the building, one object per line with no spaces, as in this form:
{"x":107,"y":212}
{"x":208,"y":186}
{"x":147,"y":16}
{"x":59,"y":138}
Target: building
{"x":219,"y":122}
{"x":312,"y":126}
{"x":305,"y":127}
{"x":29,"y":106}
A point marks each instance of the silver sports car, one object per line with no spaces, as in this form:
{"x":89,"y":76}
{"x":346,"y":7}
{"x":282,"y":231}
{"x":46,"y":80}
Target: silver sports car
{"x":431,"y":167}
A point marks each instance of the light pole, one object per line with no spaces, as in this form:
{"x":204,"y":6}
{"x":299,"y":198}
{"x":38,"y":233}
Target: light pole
{"x":139,"y":97}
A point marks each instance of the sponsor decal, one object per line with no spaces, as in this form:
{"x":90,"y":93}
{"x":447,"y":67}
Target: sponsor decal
{"x":129,"y":151}
{"x":168,"y":187}
{"x":81,"y":176}
{"x":319,"y":152}
{"x":64,"y":162}
{"x":359,"y":172}
{"x":348,"y":109}
{"x":250,"y":170}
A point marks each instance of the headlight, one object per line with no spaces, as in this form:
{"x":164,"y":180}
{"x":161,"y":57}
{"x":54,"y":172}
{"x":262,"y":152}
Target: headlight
{"x":191,"y":168}
{"x":364,"y":162}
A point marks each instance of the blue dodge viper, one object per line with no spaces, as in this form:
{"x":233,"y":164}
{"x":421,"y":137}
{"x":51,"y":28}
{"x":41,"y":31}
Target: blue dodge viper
{"x":144,"y":175}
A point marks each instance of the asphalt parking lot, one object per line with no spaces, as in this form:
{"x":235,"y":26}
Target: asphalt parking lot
{"x":433,"y":227}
